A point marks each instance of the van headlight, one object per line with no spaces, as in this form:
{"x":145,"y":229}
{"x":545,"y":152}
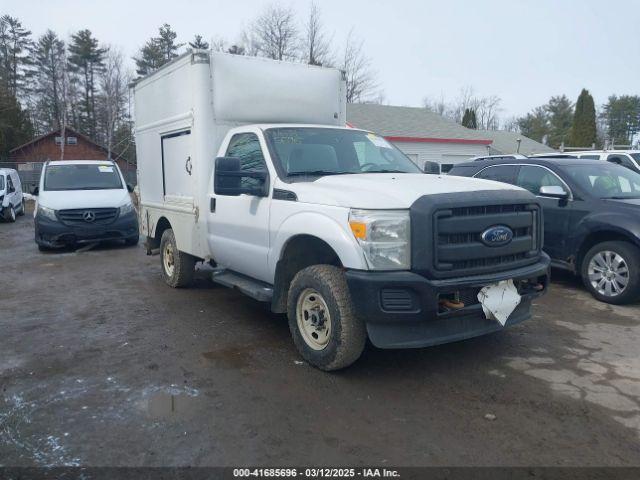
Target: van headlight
{"x":49,"y":213}
{"x":126,"y":208}
{"x":385,"y":237}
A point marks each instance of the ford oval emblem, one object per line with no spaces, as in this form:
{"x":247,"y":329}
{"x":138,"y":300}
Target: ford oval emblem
{"x":497,"y":236}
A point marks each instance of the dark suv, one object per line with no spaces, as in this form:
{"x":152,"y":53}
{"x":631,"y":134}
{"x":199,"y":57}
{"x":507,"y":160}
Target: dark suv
{"x":591,"y":217}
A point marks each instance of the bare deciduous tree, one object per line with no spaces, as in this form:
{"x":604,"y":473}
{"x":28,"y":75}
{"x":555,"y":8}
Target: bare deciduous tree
{"x":276,"y":32}
{"x":361,"y":81}
{"x":316,"y":47}
{"x":114,"y":82}
{"x":486,"y":109}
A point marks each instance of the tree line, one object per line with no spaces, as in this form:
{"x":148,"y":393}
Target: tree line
{"x":557,"y":123}
{"x":50,"y":82}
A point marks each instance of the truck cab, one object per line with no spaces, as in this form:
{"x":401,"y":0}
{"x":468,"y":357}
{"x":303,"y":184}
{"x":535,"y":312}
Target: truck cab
{"x":333,"y":226}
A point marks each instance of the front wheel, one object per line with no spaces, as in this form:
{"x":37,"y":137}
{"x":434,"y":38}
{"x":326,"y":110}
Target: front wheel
{"x":177,"y":266}
{"x":325,"y":329}
{"x":10,"y":214}
{"x":611,"y":272}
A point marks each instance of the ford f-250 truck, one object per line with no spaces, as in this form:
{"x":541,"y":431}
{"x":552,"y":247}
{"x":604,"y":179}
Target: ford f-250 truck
{"x":246,"y":164}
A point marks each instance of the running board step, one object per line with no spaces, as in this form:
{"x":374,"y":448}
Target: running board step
{"x":253,"y":288}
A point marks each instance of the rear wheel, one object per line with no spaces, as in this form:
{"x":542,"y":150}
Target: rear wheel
{"x":611,"y":272}
{"x":177,"y":266}
{"x":131,"y":241}
{"x":325,"y":329}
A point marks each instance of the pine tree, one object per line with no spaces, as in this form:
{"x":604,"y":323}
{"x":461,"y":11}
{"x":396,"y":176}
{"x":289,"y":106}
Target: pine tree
{"x":469,"y":119}
{"x":49,"y":54}
{"x":560,"y":110}
{"x":167,"y":42}
{"x":86,"y":59}
{"x":583,"y":130}
{"x":15,"y":126}
{"x":15,"y":43}
{"x":199,"y":43}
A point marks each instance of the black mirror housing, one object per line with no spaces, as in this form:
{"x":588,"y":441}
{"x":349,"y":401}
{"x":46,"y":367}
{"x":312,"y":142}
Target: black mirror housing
{"x":432,"y":168}
{"x":227,"y":179}
{"x":36,"y":191}
{"x":129,"y":188}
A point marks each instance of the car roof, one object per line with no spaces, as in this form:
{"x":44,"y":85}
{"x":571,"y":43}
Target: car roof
{"x":545,"y":162}
{"x":81,"y":162}
{"x":7,"y":170}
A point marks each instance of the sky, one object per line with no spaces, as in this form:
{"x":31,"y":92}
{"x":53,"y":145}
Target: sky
{"x":523,"y":51}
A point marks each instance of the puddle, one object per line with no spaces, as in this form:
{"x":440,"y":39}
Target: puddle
{"x":232,"y":357}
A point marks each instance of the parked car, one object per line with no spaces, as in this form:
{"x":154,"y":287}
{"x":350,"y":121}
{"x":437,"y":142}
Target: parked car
{"x":513,"y":156}
{"x":591,"y":217}
{"x":332,"y":225}
{"x":627,"y":158}
{"x":83,"y":201}
{"x":11,"y":198}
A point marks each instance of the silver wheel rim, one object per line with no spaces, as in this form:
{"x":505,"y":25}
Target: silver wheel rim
{"x":314,"y":320}
{"x":168,"y":260}
{"x":608,"y":273}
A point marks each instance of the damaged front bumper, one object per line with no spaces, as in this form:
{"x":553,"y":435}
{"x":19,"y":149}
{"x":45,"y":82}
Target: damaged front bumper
{"x":405,"y":309}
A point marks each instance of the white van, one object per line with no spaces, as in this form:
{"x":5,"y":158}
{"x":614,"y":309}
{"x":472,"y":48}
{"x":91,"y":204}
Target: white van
{"x":83,"y":201}
{"x":333,"y":225}
{"x":11,"y":199}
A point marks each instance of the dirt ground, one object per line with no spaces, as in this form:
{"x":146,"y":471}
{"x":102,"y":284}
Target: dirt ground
{"x":102,"y":364}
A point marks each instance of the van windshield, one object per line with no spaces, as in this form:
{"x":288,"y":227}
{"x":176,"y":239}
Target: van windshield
{"x":82,"y":177}
{"x":308,"y":151}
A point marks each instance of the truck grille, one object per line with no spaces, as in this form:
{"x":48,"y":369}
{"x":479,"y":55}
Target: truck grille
{"x":458,"y":238}
{"x":97,"y":216}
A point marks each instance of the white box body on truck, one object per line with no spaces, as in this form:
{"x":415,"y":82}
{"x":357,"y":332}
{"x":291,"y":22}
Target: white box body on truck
{"x":247,"y":164}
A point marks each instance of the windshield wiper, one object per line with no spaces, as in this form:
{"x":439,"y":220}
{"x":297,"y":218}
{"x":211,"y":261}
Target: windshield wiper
{"x":622,"y":197}
{"x":313,"y":173}
{"x":385,"y":171}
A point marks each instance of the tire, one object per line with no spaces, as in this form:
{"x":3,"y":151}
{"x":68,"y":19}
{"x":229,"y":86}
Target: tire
{"x":131,"y":241}
{"x":10,"y":214}
{"x":605,"y":269}
{"x":23,"y":208}
{"x":177,"y":267}
{"x":43,"y":248}
{"x":314,"y":292}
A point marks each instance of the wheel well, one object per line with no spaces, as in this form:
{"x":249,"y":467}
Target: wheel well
{"x":162,"y":225}
{"x":599,"y":237}
{"x":300,"y":252}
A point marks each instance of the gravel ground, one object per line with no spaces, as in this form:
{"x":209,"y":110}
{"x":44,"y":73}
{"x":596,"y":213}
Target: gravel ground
{"x":101,"y":364}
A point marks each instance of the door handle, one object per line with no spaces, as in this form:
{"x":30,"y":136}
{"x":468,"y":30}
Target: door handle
{"x":187,"y":165}
{"x":212,"y":205}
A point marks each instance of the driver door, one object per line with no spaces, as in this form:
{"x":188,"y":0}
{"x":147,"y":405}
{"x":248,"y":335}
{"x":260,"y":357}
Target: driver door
{"x":238,"y":226}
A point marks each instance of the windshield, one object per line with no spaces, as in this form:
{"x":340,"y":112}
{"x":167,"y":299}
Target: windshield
{"x":636,"y":157}
{"x":82,"y":177}
{"x":606,"y":181}
{"x":331,"y":151}
{"x":1,"y":183}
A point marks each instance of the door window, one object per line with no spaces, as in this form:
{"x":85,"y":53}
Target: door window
{"x":533,"y":178}
{"x":621,"y":160}
{"x":246,"y":147}
{"x":10,"y":187}
{"x":499,"y":173}
{"x":1,"y":183}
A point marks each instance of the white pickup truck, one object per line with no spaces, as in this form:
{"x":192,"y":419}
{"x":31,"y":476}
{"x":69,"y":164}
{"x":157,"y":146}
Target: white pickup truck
{"x":247,"y":164}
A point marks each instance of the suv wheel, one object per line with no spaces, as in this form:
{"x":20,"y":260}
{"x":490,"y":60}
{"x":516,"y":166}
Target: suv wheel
{"x":611,"y":272}
{"x":177,"y":266}
{"x":325,"y":330}
{"x":10,"y":214}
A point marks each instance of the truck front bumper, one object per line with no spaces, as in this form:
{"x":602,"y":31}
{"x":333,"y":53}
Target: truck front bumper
{"x":402,"y":309}
{"x":54,"y":234}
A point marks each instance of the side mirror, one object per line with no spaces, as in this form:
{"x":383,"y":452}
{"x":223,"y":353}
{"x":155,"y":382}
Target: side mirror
{"x":553,"y":191}
{"x":36,"y":191}
{"x":227,"y":179}
{"x":432,"y":168}
{"x":615,"y":160}
{"x":129,"y":188}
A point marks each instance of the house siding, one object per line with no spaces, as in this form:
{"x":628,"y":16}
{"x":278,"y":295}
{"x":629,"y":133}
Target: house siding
{"x":441,"y":153}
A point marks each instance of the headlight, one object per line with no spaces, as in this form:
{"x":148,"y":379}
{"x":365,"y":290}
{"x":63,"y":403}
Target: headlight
{"x":385,"y":237}
{"x":126,"y":208}
{"x":49,"y":213}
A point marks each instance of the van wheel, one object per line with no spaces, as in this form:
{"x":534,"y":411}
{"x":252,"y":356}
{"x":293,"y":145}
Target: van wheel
{"x":177,"y":266}
{"x":325,"y":330}
{"x":10,"y":214}
{"x":23,"y":208}
{"x":611,"y":272}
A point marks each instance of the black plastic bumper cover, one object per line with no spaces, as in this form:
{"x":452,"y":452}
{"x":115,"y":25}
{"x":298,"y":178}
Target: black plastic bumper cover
{"x":423,"y":325}
{"x":56,"y":234}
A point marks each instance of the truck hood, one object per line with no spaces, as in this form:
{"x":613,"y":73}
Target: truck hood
{"x":67,"y":199}
{"x":385,"y":190}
